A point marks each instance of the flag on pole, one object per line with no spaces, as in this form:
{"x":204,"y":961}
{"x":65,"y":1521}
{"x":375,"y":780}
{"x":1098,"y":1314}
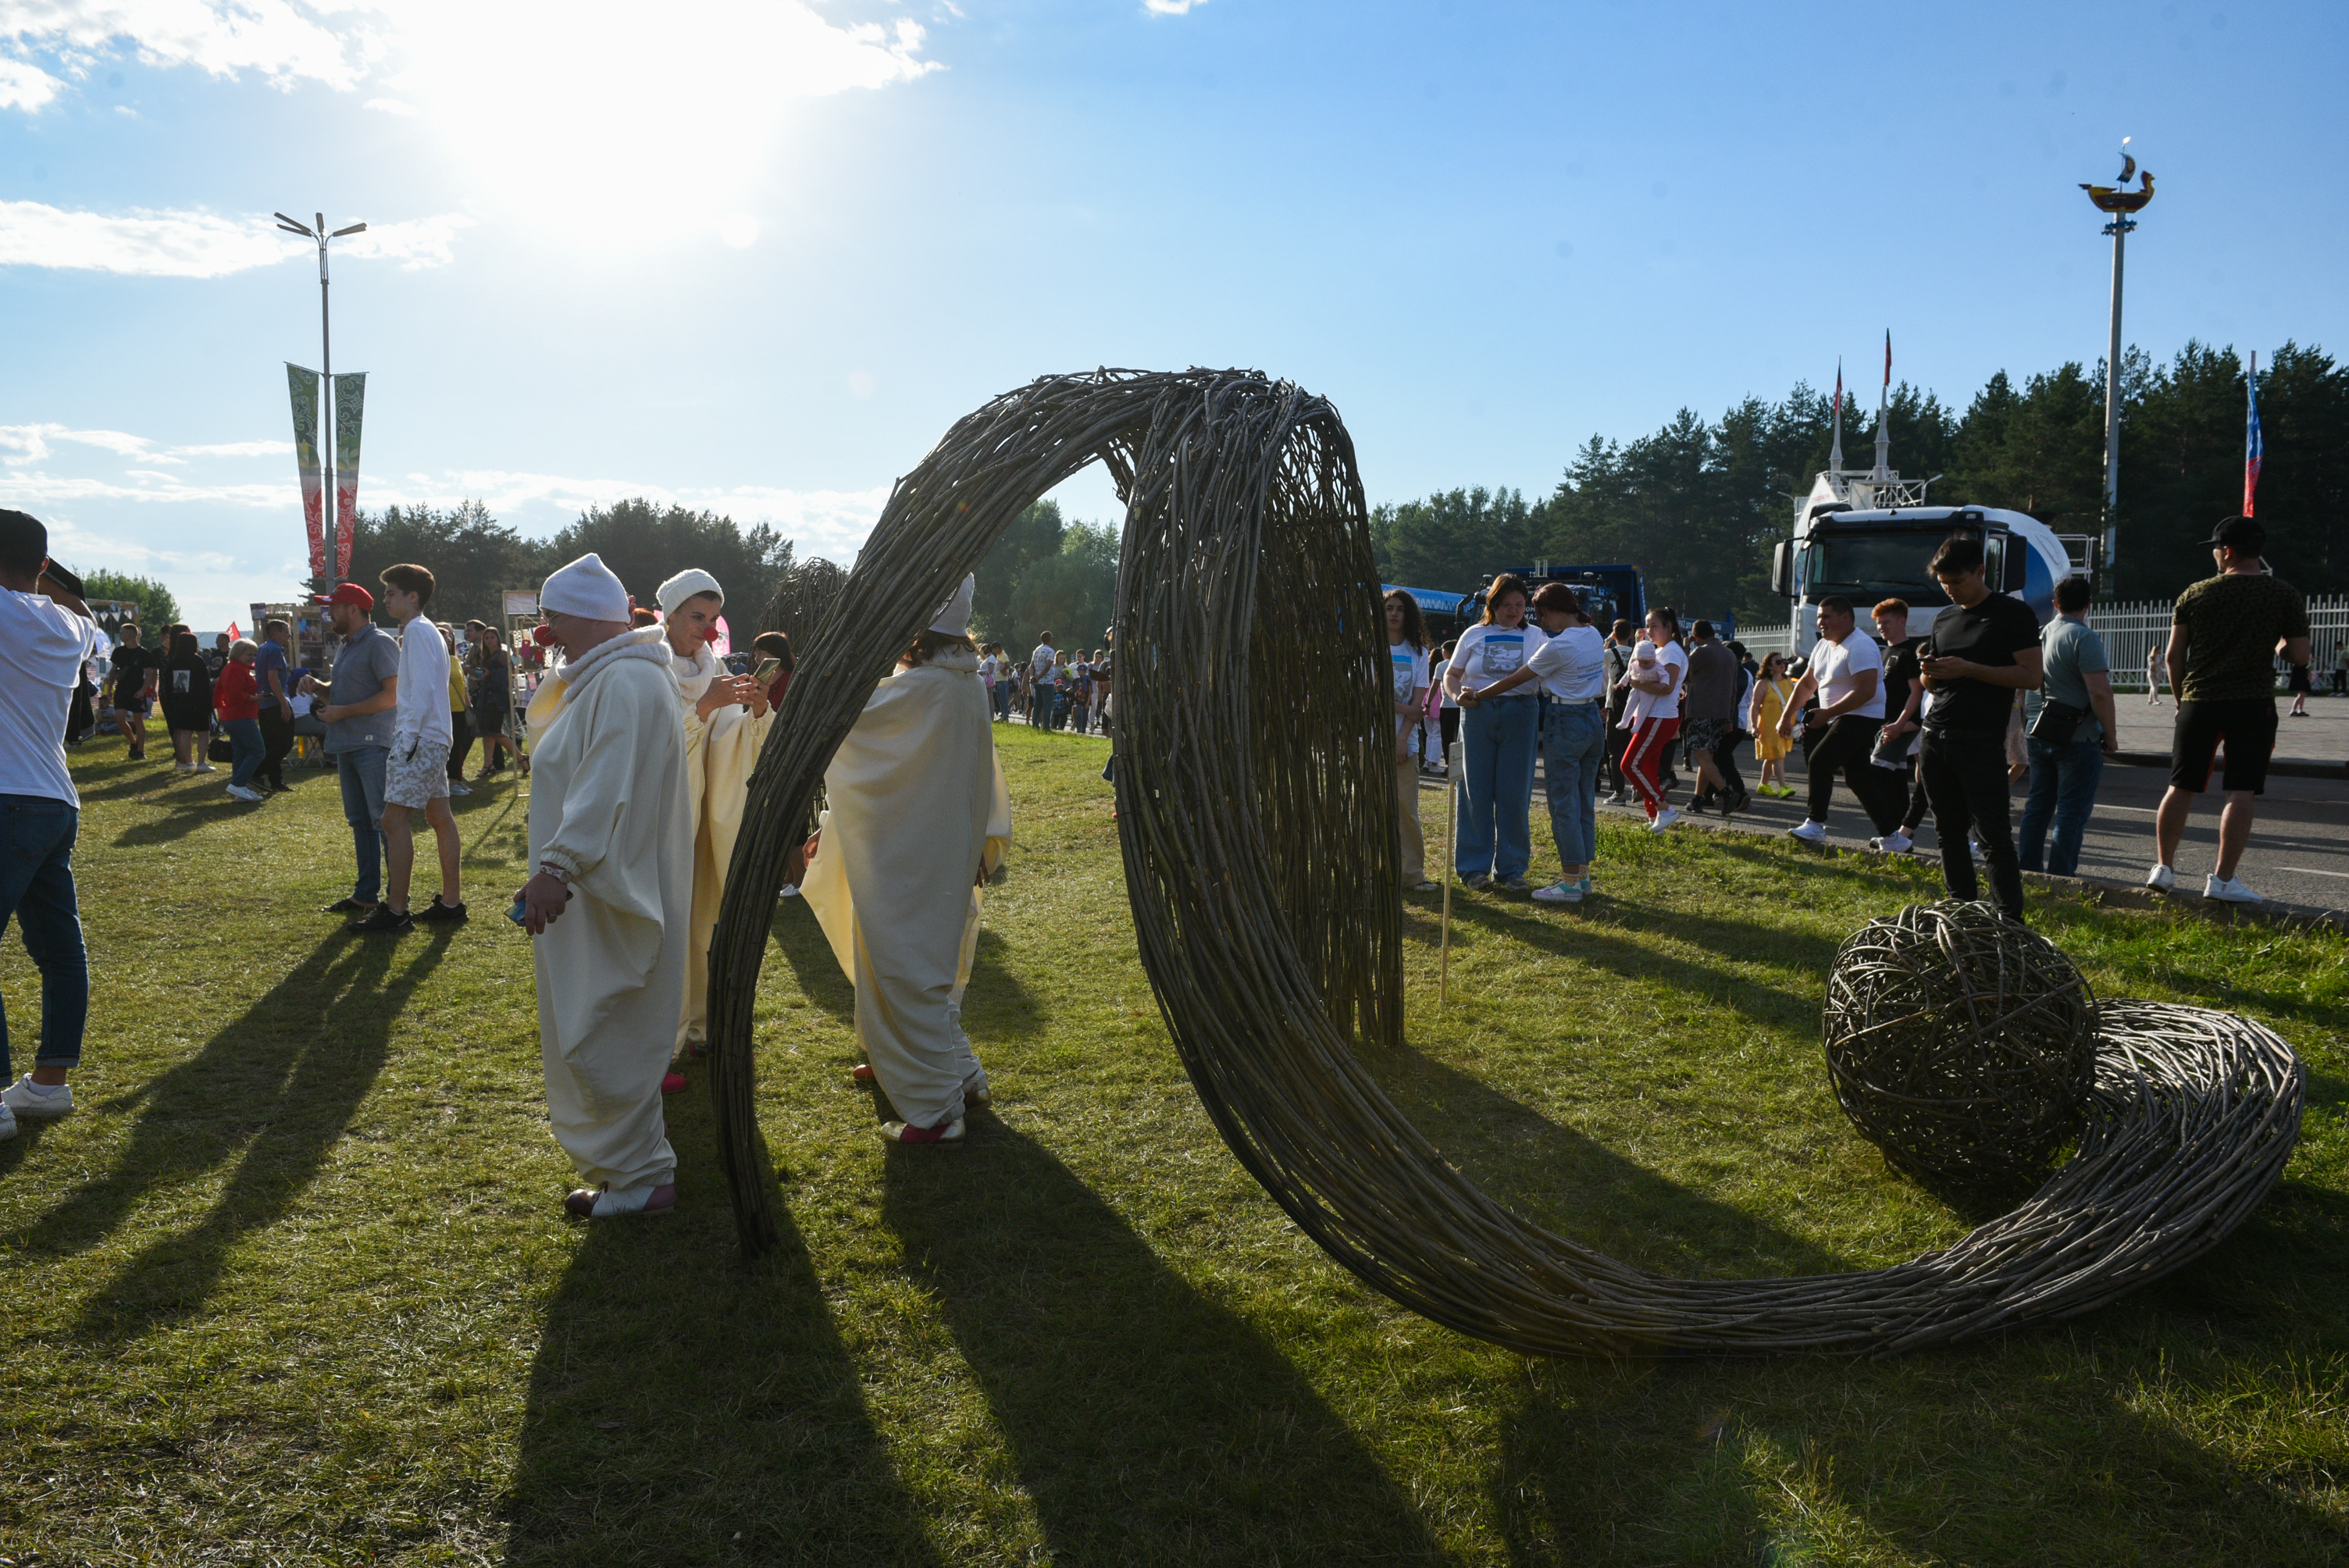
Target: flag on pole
{"x":232,"y":633}
{"x":1834,"y":456}
{"x":2253,"y":448}
{"x":304,"y":386}
{"x":350,"y":406}
{"x":1887,"y":359}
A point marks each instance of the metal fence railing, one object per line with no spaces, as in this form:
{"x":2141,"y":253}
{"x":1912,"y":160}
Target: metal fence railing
{"x":2133,"y":631}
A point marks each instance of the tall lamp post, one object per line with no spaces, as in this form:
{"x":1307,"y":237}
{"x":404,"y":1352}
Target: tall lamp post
{"x":317,"y":230}
{"x":2120,"y":202}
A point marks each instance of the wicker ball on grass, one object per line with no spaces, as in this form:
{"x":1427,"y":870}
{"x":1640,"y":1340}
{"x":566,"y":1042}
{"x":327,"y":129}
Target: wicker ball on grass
{"x":1960,"y":1043}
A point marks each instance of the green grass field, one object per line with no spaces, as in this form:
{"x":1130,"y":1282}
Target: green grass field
{"x":293,"y":1287}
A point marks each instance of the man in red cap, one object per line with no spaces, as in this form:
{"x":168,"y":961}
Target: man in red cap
{"x":361,"y":700}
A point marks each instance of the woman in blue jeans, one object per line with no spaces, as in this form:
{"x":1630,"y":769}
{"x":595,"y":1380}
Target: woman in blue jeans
{"x":1571,"y":667}
{"x":1497,"y":738}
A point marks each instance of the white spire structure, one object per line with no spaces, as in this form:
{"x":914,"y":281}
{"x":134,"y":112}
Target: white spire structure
{"x":1835,"y":455}
{"x":1883,"y":471}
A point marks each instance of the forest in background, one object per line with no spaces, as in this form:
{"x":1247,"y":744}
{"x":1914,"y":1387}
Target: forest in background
{"x":1698,"y":503}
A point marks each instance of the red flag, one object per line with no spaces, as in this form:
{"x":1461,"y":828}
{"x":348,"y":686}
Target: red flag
{"x":1888,"y":358}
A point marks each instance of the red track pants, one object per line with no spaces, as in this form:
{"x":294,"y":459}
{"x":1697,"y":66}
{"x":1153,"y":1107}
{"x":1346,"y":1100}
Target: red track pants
{"x":1640,"y":757}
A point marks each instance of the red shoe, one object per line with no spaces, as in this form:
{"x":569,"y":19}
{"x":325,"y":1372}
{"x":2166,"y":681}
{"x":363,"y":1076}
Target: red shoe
{"x":945,"y":1132}
{"x":672,"y":1083}
{"x":697,"y":1049}
{"x":861,"y":1072}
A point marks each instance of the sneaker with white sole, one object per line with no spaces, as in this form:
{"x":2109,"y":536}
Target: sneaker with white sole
{"x":2227,"y":892}
{"x":250,"y":796}
{"x":457,"y":788}
{"x":2161,"y":878}
{"x":1567,"y":891}
{"x":1664,"y":818}
{"x":1894,"y":843}
{"x":1810,"y":832}
{"x":35,"y":1103}
{"x":204,"y":768}
{"x":8,"y":1124}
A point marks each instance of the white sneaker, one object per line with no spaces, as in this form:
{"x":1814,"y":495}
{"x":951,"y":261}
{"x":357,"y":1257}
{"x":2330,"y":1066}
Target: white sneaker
{"x":2161,"y":878}
{"x":35,"y":1104}
{"x":204,"y":768}
{"x":1892,"y":843}
{"x":239,"y":792}
{"x":455,"y":788}
{"x":1810,"y":832}
{"x":8,"y":1124}
{"x":1567,"y":890}
{"x":2227,"y":892}
{"x":1664,"y":818}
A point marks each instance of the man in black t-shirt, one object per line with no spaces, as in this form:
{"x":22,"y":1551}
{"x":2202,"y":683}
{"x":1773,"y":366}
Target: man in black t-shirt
{"x":132,"y":677}
{"x":1904,"y":691}
{"x":1983,"y":648}
{"x":2224,"y":637}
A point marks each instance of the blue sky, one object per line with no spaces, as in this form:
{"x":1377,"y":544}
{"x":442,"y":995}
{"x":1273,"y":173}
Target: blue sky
{"x":757,"y":257}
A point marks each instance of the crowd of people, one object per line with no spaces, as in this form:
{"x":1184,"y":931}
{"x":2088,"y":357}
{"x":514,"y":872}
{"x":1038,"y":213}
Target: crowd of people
{"x":1939,"y":725}
{"x":644,"y":742}
{"x":1051,"y":688}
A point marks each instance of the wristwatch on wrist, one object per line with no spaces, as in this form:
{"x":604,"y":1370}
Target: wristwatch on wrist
{"x":557,"y":872}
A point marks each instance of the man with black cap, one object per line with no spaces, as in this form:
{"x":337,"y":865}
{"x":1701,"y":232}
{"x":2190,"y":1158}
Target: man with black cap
{"x":46,"y":635}
{"x":362,"y":700}
{"x":2224,"y":637}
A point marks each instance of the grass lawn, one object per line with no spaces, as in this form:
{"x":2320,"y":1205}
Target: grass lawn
{"x":292,"y":1285}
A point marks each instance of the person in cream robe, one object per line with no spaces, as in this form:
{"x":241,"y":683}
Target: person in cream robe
{"x":611,"y":896}
{"x":918,"y":820}
{"x":726,"y":722}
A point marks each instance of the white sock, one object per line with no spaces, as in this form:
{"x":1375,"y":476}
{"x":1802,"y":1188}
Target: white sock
{"x":42,"y":1090}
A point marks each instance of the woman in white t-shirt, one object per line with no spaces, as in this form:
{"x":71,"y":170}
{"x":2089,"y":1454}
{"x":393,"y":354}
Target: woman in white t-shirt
{"x":1571,"y":667}
{"x":1652,"y":711}
{"x":1497,"y":738}
{"x":1407,"y":657}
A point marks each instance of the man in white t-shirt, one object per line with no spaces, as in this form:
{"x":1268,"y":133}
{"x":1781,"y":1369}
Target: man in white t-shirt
{"x":1846,"y":673}
{"x":46,"y":635}
{"x":416,"y":773}
{"x":1040,"y":682}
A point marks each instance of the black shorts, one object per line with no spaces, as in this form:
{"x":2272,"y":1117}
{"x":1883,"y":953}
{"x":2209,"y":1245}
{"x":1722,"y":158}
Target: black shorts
{"x":2247,"y":726}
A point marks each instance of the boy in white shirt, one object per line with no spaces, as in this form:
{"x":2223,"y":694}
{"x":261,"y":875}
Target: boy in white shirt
{"x":416,"y":776}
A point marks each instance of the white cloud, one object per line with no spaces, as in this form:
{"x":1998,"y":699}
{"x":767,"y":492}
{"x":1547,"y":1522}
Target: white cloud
{"x":26,"y":86}
{"x":1170,"y":8}
{"x":195,"y":244}
{"x":275,"y":39}
{"x":393,"y":106}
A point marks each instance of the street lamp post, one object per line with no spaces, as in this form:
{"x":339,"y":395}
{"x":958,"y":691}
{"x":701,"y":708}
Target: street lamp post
{"x":2120,"y":202}
{"x":317,"y":230}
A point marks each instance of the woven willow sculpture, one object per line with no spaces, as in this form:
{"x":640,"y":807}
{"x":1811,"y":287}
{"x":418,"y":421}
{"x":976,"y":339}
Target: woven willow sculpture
{"x":1960,"y":1043}
{"x":1255,"y":812}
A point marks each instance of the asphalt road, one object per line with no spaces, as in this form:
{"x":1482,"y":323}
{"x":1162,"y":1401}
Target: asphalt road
{"x":2300,"y":842}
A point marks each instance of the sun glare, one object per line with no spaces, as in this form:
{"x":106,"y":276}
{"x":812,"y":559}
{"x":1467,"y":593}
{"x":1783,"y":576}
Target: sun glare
{"x":626,"y":118}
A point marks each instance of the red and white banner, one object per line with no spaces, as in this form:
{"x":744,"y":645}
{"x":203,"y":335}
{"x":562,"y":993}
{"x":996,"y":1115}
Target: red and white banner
{"x":350,"y":407}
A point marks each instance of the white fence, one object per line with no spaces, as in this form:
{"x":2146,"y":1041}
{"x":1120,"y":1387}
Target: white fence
{"x":2133,"y":631}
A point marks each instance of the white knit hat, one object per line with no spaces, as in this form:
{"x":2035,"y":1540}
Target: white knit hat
{"x":954,"y":619}
{"x":684,"y":586}
{"x":587,"y":589}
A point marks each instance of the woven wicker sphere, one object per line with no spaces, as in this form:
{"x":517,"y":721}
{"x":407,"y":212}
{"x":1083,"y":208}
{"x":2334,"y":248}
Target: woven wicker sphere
{"x":1960,"y":1043}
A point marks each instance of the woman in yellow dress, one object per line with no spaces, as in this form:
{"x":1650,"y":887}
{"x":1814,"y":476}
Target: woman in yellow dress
{"x":1768,"y":700}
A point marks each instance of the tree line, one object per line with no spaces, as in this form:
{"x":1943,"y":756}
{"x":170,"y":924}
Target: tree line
{"x":1699,"y":504}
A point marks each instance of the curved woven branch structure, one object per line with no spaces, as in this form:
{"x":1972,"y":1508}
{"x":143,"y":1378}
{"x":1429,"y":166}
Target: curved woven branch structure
{"x":1255,"y":812}
{"x":806,"y":593}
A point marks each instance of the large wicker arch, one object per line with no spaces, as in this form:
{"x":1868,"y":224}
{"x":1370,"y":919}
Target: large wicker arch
{"x":1255,"y":815}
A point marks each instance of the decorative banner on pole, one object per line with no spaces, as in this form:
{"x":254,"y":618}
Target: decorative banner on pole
{"x":304,"y":385}
{"x":350,"y":406}
{"x":2255,"y":449}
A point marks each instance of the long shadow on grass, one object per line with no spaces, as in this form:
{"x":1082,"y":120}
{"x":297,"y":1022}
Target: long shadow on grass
{"x":684,"y":1408}
{"x":1569,"y":1183}
{"x":997,"y":1003}
{"x":185,"y":816}
{"x":272,"y":1091}
{"x":1148,"y":1423}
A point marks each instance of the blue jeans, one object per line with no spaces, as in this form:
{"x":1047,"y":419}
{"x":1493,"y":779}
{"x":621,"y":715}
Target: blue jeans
{"x":1573,"y":743}
{"x":1497,"y":737}
{"x":244,"y":734}
{"x":36,"y":886}
{"x":361,"y":767}
{"x":2063,"y":786}
{"x":1002,"y":695}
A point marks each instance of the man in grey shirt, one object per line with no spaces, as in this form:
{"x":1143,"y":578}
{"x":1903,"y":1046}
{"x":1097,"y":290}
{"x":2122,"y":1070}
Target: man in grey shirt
{"x":2076,"y":679}
{"x":357,"y":713}
{"x":1707,"y":719}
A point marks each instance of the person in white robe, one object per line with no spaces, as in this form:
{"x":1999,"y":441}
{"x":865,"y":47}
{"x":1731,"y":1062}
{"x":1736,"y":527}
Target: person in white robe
{"x":918,"y":820}
{"x":726,"y":722}
{"x":610,"y":899}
